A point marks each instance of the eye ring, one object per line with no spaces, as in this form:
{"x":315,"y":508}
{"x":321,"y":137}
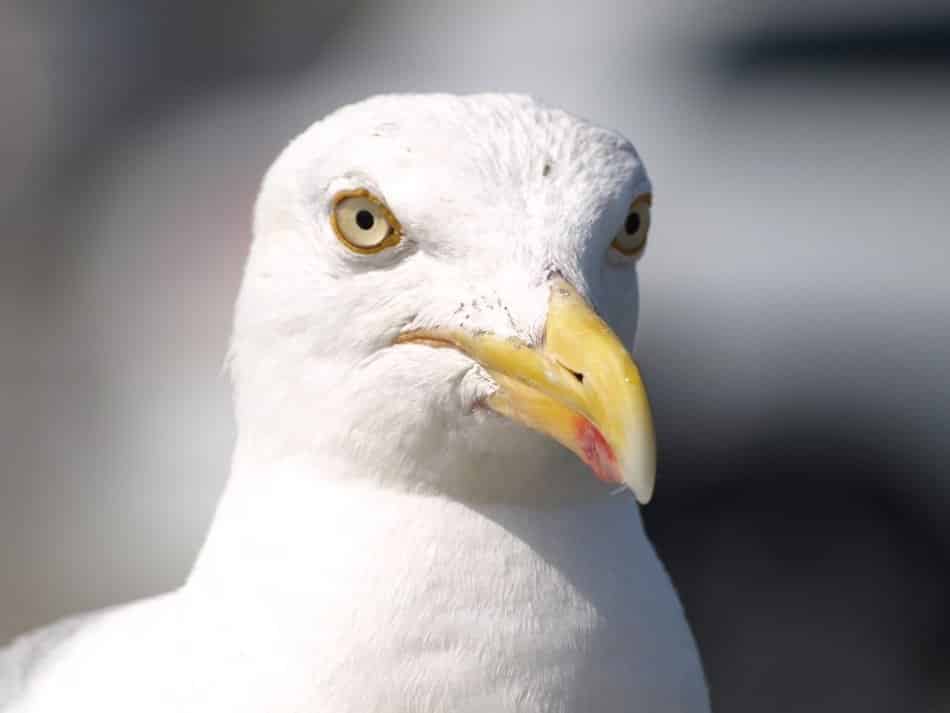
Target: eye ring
{"x":363,"y":223}
{"x":631,"y":240}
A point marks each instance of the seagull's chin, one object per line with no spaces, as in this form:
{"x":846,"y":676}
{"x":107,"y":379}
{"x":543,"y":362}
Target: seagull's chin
{"x":594,"y":449}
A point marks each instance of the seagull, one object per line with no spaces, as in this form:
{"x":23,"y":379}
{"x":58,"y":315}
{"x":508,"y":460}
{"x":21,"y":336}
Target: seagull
{"x":436,"y":409}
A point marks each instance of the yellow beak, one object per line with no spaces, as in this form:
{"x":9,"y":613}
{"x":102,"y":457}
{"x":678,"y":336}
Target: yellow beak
{"x":581,"y":388}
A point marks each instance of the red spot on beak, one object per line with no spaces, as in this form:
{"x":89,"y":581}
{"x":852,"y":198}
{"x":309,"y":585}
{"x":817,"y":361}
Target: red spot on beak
{"x":596,"y":452}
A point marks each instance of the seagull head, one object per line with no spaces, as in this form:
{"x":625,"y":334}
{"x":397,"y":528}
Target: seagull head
{"x":443,"y":289}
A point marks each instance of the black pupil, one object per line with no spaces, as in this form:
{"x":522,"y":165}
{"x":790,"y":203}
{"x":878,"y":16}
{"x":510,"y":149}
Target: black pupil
{"x":365,"y":219}
{"x":633,"y":223}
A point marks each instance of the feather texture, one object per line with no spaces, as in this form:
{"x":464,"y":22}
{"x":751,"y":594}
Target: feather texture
{"x":383,"y":544}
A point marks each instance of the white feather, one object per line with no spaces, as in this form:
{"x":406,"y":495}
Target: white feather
{"x":382,"y":546}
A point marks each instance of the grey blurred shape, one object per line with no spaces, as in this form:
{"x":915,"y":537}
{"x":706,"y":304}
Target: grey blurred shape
{"x":919,"y":46}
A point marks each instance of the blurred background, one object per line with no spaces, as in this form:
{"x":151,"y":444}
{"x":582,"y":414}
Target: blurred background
{"x":795,"y":328}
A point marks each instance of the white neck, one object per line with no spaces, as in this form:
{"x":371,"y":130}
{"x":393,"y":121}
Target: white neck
{"x":302,"y":508}
{"x":454,"y":600}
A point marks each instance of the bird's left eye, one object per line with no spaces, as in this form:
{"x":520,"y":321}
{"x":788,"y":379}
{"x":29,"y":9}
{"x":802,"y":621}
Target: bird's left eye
{"x":363,"y":223}
{"x":632,"y":237}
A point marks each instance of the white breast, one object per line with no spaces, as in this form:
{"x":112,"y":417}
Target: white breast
{"x":396,"y":602}
{"x":418,"y":603}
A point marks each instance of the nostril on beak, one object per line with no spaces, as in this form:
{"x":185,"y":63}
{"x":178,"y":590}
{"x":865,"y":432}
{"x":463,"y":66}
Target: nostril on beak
{"x":576,"y":374}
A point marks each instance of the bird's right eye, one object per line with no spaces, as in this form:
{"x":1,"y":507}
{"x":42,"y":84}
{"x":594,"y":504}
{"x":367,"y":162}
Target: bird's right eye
{"x":363,"y":223}
{"x":632,"y":237}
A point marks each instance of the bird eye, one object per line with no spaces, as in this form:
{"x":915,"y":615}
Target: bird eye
{"x":632,"y":237}
{"x":363,"y":223}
